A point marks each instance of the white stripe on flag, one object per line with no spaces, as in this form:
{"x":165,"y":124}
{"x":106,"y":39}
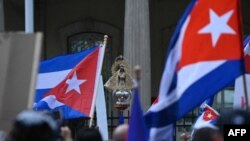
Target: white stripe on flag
{"x":197,"y":71}
{"x":161,"y":134}
{"x":185,"y":80}
{"x":52,"y":102}
{"x":51,"y":79}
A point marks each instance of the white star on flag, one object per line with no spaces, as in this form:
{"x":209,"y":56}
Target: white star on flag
{"x":217,"y":26}
{"x":209,"y":115}
{"x":74,"y":84}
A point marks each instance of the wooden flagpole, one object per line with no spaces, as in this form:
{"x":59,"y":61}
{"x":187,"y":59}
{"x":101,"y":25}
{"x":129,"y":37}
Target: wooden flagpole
{"x":105,"y":41}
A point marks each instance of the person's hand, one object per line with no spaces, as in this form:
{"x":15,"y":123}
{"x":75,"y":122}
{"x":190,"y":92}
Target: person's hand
{"x":184,"y":137}
{"x":66,"y":134}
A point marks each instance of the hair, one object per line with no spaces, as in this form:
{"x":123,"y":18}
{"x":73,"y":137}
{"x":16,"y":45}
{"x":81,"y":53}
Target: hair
{"x":33,"y":126}
{"x":205,"y":134}
{"x":88,"y":134}
{"x":40,"y":132}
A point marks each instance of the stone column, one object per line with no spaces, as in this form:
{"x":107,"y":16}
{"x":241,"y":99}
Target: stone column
{"x":137,"y":44}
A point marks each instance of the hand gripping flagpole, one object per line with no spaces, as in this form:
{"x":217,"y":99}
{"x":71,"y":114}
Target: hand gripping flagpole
{"x":99,"y":66}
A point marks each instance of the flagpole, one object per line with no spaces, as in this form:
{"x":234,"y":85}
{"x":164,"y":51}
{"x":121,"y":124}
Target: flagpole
{"x":245,"y":91}
{"x":105,"y":41}
{"x":137,"y":70}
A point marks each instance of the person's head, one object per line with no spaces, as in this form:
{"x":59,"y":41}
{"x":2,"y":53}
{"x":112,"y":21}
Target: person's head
{"x":207,"y":134}
{"x":33,"y":126}
{"x":88,"y":134}
{"x":120,"y":133}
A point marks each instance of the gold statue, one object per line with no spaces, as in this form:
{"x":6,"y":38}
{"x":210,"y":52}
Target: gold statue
{"x":120,"y":79}
{"x":120,"y":84}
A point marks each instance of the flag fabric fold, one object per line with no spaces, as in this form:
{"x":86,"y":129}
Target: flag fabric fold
{"x":204,"y":56}
{"x":138,"y":130}
{"x":69,"y":83}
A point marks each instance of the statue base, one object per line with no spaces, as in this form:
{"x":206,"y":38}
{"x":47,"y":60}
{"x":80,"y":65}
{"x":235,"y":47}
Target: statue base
{"x":121,"y":107}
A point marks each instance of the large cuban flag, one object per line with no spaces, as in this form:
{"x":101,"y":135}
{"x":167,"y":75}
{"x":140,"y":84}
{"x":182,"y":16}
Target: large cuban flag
{"x":204,"y":56}
{"x":69,"y":83}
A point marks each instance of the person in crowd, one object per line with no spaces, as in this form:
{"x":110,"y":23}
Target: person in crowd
{"x":120,"y":133}
{"x":184,"y":137}
{"x":65,"y":134}
{"x":207,"y":134}
{"x":33,"y":126}
{"x":37,"y":126}
{"x":88,"y":134}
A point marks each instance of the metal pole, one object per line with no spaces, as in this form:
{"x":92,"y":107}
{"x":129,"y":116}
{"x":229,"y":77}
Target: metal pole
{"x":29,"y":16}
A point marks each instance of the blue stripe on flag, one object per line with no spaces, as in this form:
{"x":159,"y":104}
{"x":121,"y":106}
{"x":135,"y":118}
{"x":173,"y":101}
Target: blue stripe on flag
{"x":210,"y":101}
{"x":173,"y":84}
{"x":40,"y":94}
{"x":62,"y":62}
{"x":67,"y":112}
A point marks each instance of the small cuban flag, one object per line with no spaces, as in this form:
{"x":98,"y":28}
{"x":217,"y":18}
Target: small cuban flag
{"x":207,"y":118}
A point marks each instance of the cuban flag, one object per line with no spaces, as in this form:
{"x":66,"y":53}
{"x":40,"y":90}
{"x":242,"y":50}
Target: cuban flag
{"x":208,"y":118}
{"x":204,"y":56}
{"x":69,"y":83}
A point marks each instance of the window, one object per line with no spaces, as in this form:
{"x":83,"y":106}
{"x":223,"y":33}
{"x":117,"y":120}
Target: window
{"x":224,"y":99}
{"x":82,"y":41}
